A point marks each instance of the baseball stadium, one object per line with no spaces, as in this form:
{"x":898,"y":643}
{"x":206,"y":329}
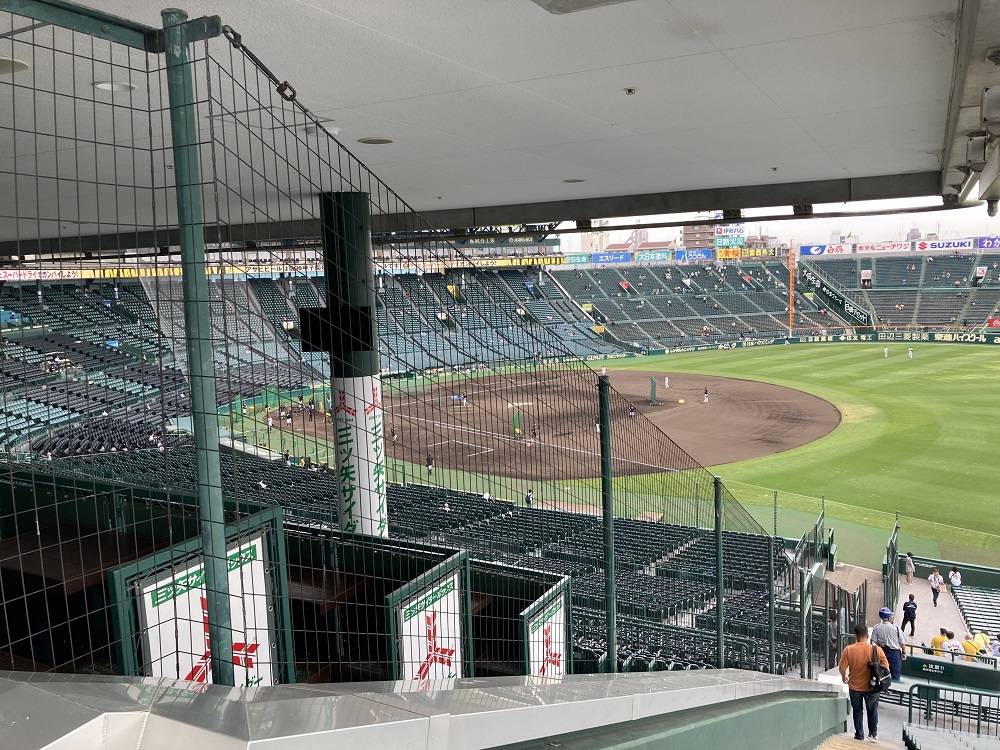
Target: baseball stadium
{"x":300,"y":442}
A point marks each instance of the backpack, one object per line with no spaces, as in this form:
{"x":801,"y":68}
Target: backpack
{"x":881,"y":681}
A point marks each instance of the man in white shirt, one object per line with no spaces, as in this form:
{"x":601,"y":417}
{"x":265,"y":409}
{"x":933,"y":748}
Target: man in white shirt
{"x":952,"y":645}
{"x":936,"y":582}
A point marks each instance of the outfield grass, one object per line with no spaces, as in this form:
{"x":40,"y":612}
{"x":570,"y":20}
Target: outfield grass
{"x":917,"y":436}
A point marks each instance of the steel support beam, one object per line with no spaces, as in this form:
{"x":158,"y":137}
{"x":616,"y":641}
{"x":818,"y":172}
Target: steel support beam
{"x":198,"y":331}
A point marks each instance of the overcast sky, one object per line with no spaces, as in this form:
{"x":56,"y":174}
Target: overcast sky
{"x":966,"y":222}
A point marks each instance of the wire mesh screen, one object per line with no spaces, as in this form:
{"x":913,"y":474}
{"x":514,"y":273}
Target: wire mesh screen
{"x":430,"y":439}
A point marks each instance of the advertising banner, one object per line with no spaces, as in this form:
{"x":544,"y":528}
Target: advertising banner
{"x":361,"y":478}
{"x":429,"y":625}
{"x":683,"y":255}
{"x":174,"y":619}
{"x":611,"y":258}
{"x":988,"y":243}
{"x":498,"y":240}
{"x":722,"y":230}
{"x":758,"y":252}
{"x":839,"y":249}
{"x":738,"y":240}
{"x":547,"y":641}
{"x":994,"y":323}
{"x":577,"y":258}
{"x":967,"y":244}
{"x":884,"y":247}
{"x":812,"y":249}
{"x":655,"y":256}
{"x":728,"y":253}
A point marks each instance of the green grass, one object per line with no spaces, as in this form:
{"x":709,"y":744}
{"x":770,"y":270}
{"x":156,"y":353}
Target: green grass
{"x":917,"y":436}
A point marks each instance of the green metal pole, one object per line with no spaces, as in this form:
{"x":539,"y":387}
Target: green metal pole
{"x":697,"y":504}
{"x":720,"y":579}
{"x":197,"y":325}
{"x":776,"y":513}
{"x":803,"y":646}
{"x":771,"y":603}
{"x":607,"y":503}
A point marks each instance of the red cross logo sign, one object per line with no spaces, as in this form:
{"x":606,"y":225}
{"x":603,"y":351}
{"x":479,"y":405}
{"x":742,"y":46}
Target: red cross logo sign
{"x":375,"y":404}
{"x":435,"y":654}
{"x":552,"y":659}
{"x":243,"y":653}
{"x":343,"y":407}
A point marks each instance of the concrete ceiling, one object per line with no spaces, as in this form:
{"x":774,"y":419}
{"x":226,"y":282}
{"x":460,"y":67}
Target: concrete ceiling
{"x":491,"y":104}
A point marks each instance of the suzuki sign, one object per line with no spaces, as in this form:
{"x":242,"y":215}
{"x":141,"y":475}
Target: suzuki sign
{"x":946,"y":244}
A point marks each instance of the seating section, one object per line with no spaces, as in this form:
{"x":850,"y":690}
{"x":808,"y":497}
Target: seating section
{"x":489,"y":528}
{"x":920,"y":290}
{"x":681,"y":305}
{"x":744,"y":558}
{"x":916,"y":737}
{"x":980,"y":608}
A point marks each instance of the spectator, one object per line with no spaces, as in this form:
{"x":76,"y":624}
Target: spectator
{"x":956,"y":578}
{"x":951,"y":645}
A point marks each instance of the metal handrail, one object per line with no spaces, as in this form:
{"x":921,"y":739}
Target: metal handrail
{"x":928,"y":712}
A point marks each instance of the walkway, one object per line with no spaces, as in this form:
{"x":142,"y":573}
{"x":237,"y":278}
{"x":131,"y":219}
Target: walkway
{"x":929,"y":618}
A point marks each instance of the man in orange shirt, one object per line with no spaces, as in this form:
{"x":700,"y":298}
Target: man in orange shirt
{"x":857,"y":676}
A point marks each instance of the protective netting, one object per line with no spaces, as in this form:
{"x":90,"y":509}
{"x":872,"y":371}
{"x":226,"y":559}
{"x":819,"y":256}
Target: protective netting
{"x":432,"y":447}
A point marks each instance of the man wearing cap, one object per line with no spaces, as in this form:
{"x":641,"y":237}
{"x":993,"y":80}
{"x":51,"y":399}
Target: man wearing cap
{"x":888,"y":635}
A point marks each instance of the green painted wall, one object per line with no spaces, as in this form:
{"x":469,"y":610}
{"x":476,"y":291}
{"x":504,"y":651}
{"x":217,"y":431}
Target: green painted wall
{"x":783,"y":721}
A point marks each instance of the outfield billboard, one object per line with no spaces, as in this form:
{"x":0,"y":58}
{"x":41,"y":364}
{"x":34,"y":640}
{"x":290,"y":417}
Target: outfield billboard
{"x":967,"y":244}
{"x":683,"y":255}
{"x":611,"y":258}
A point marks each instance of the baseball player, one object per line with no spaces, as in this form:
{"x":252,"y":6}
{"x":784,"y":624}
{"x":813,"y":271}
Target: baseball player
{"x":910,"y":353}
{"x":705,"y":400}
{"x":885,"y":351}
{"x":631,"y":411}
{"x":666,"y":381}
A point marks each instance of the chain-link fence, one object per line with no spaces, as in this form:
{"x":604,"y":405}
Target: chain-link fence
{"x":214,"y":312}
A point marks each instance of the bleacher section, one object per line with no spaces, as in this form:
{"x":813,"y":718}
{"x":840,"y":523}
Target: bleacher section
{"x":674,"y":305}
{"x":980,"y":608}
{"x":920,"y":290}
{"x":670,"y":579}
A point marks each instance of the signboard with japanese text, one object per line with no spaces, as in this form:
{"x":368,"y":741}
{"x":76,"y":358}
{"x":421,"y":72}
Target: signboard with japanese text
{"x":737,"y":240}
{"x":683,"y":255}
{"x":429,"y":627}
{"x":360,"y":451}
{"x":174,"y":619}
{"x":611,"y":258}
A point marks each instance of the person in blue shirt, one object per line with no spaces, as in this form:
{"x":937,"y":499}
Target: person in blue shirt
{"x":909,"y":614}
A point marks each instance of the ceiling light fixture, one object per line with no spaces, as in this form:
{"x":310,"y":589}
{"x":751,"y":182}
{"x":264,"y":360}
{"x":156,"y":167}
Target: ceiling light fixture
{"x":113,"y":86}
{"x":574,"y":180}
{"x":375,"y":141}
{"x":11,"y":65}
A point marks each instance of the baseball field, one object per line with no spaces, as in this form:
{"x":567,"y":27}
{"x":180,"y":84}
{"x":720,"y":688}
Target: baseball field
{"x":918,"y":436}
{"x":786,"y":426}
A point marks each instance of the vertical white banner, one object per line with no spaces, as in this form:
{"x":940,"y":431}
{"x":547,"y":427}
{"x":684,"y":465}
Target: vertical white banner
{"x":547,"y":639}
{"x":174,"y":620}
{"x":357,"y":419}
{"x":430,"y":631}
